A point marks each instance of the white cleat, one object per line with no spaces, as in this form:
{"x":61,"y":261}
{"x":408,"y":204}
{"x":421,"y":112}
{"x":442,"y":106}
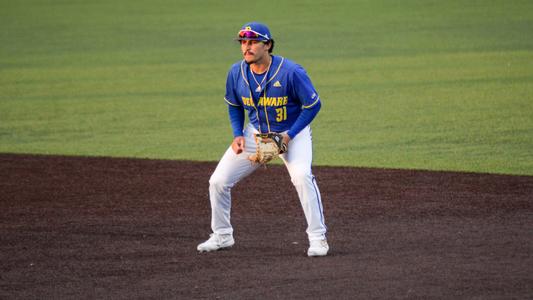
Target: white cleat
{"x":318,"y":248}
{"x":216,"y":242}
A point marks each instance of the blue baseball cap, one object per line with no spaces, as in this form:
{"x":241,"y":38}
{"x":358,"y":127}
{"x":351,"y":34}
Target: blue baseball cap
{"x":254,"y":31}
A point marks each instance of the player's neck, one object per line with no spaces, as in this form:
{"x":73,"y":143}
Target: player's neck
{"x":262,"y":65}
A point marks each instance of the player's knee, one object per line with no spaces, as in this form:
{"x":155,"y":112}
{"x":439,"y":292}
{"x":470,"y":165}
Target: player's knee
{"x":301,"y":177}
{"x":219,"y":184}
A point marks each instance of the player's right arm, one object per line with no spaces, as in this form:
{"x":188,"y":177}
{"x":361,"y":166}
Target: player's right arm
{"x":236,"y":116}
{"x":235,"y":112}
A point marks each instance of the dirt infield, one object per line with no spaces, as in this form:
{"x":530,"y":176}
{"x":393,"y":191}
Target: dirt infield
{"x":101,"y":228}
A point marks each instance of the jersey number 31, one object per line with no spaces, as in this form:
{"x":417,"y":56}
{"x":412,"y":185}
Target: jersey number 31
{"x":281,"y":114}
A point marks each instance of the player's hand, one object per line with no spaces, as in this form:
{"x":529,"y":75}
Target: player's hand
{"x":238,"y":145}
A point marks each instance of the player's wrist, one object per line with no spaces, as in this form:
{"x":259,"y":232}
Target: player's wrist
{"x":290,"y":134}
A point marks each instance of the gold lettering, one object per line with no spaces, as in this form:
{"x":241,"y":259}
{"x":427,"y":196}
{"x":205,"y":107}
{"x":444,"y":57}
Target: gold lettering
{"x":247,"y":101}
{"x":267,"y":101}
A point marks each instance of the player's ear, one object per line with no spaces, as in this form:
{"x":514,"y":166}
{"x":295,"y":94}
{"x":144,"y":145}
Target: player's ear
{"x":270,"y":43}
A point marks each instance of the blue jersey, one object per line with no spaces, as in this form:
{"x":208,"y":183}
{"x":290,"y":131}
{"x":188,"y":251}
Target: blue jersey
{"x":282,"y":99}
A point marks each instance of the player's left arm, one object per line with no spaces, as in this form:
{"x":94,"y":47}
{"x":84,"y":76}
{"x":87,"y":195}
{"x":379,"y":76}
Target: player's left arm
{"x":309,"y":98}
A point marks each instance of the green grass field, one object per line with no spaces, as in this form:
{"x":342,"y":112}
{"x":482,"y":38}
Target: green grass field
{"x":441,"y":85}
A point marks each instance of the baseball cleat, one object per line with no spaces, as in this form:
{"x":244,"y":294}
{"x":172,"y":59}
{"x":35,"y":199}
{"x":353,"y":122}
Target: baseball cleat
{"x":216,"y":242}
{"x":318,"y":248}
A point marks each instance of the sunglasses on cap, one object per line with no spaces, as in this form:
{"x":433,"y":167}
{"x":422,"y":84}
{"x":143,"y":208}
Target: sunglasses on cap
{"x":250,"y":34}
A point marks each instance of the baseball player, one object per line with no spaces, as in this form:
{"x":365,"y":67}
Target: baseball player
{"x":277,"y":96}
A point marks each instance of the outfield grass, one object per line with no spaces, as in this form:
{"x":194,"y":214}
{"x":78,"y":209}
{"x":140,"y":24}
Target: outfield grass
{"x":442,"y":85}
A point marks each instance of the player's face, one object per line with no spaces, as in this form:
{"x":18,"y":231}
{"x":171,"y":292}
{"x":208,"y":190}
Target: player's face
{"x":254,"y":51}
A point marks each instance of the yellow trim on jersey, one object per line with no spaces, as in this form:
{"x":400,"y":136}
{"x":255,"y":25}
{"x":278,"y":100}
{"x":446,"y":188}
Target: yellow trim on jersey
{"x":242,"y":73}
{"x":264,"y":94}
{"x":251,"y":96}
{"x":229,"y":102}
{"x":279,"y":67}
{"x":312,"y":104}
{"x":256,"y":111}
{"x":266,"y":113}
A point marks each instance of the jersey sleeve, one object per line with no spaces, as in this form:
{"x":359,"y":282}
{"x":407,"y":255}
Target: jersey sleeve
{"x":231,"y":97}
{"x":236,"y":117}
{"x":304,"y":89}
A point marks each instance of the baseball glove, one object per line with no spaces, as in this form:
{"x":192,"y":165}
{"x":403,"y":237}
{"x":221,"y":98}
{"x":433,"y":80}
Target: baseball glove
{"x":269,"y":146}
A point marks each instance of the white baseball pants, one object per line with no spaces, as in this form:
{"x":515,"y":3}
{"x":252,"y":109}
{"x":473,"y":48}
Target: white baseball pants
{"x":232,"y":168}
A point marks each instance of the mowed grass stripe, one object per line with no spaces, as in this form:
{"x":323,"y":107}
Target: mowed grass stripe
{"x":412,"y":84}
